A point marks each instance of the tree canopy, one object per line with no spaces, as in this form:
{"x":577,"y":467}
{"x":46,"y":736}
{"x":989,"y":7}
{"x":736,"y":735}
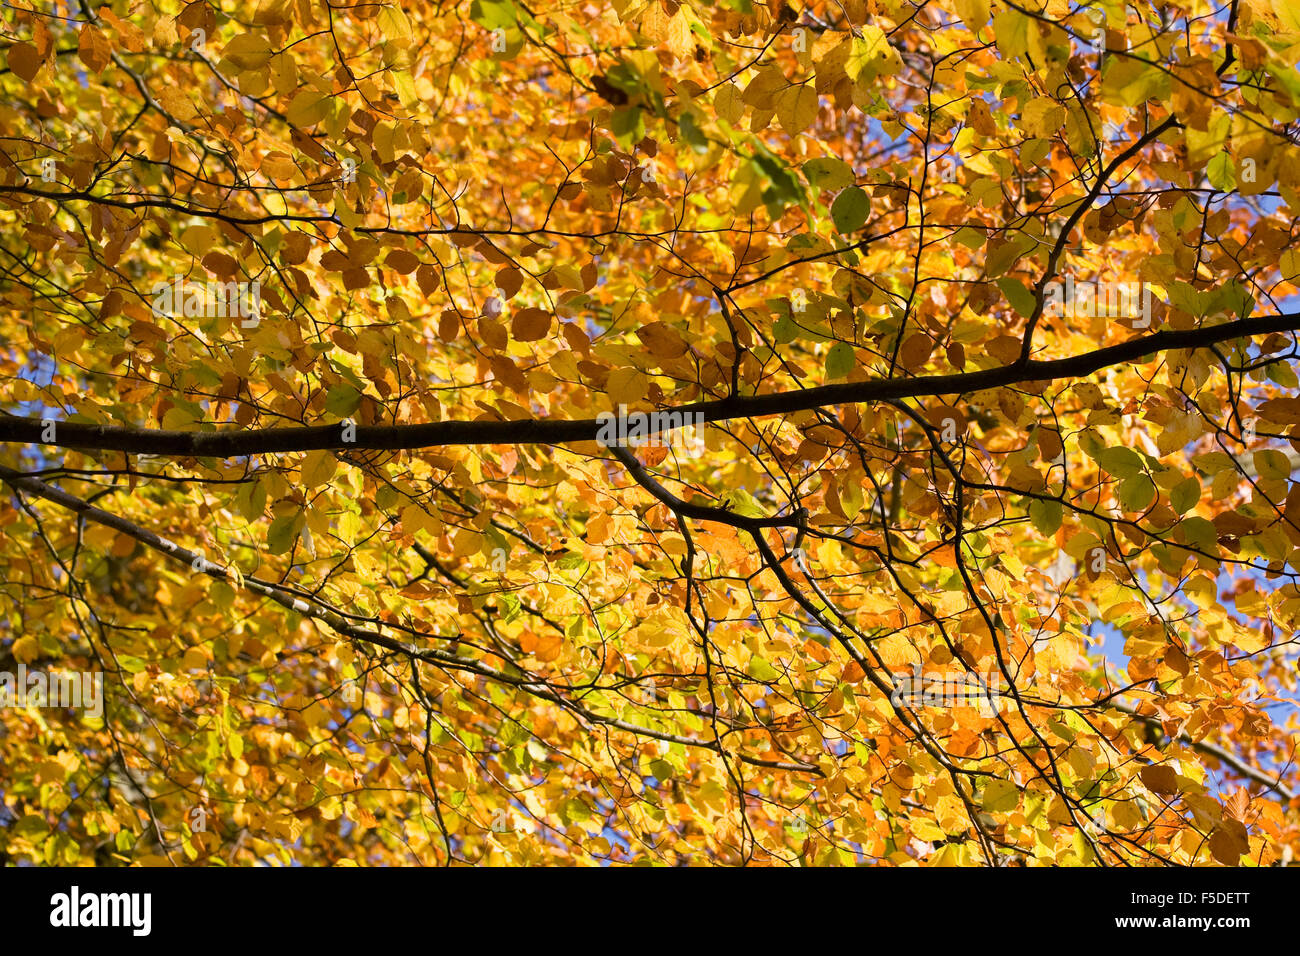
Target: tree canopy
{"x":651,"y":432}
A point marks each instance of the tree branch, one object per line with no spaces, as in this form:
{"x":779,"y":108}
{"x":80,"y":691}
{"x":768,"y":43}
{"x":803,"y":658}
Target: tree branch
{"x":231,"y":443}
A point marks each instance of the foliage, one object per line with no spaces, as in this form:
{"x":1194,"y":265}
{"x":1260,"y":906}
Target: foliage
{"x":365,"y":588}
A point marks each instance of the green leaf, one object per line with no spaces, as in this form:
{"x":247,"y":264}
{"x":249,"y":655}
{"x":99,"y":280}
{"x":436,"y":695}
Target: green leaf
{"x":1021,"y":299}
{"x":850,"y":209}
{"x":1137,"y":493}
{"x":575,"y":810}
{"x":1272,"y":464}
{"x":760,"y":669}
{"x":1045,"y":516}
{"x":742,"y":503}
{"x":1121,"y":462}
{"x":627,"y":78}
{"x":1002,"y":255}
{"x":1212,"y":462}
{"x":970,"y":238}
{"x":1183,"y":296}
{"x":132,"y":665}
{"x":872,"y":56}
{"x":342,"y":400}
{"x":827,"y":172}
{"x":493,"y":14}
{"x":31,"y":827}
{"x":537,"y":750}
{"x":1034,"y":152}
{"x":627,"y":125}
{"x":692,"y":133}
{"x":1000,"y":796}
{"x":1220,"y":172}
{"x":840,"y":360}
{"x":1231,"y":299}
{"x":283,"y":530}
{"x":1011,"y":30}
{"x":1131,"y":79}
{"x":783,"y":189}
{"x":1200,"y":534}
{"x":1185,"y":495}
{"x":1282,"y":374}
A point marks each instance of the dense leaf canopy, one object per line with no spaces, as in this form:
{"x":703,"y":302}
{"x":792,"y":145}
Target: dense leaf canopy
{"x":651,"y":432}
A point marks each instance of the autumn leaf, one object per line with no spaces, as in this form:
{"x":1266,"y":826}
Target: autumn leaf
{"x":651,"y":433}
{"x":93,"y":49}
{"x":24,"y":60}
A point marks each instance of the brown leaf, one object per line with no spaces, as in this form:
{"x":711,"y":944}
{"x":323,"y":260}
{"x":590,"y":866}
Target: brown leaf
{"x":529,"y":325}
{"x":402,"y":262}
{"x":508,"y":281}
{"x":220,"y":264}
{"x":1228,"y":842}
{"x":93,"y":49}
{"x":607,"y":91}
{"x":24,"y":61}
{"x":1160,"y":779}
{"x":493,"y":333}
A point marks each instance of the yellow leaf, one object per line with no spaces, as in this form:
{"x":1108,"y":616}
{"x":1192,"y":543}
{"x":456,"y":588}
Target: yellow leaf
{"x":315,"y":714}
{"x":1011,"y":28}
{"x":973,"y":13}
{"x":1001,"y":796}
{"x":680,"y":41}
{"x":393,"y":23}
{"x":415,"y":518}
{"x":318,"y":468}
{"x":197,"y":240}
{"x":796,"y":108}
{"x":26,"y":649}
{"x":248,"y":51}
{"x":1042,"y":117}
{"x":384,"y":140}
{"x":1288,"y":13}
{"x":404,"y":86}
{"x":1289,"y":263}
{"x":728,"y":103}
{"x":872,"y":56}
{"x":93,"y":49}
{"x":347,"y":215}
{"x":626,"y":386}
{"x":177,"y":103}
{"x":308,"y":108}
{"x":467,"y":541}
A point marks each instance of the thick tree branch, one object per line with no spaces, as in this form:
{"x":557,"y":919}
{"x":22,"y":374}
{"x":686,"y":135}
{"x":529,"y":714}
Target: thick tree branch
{"x":231,"y":443}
